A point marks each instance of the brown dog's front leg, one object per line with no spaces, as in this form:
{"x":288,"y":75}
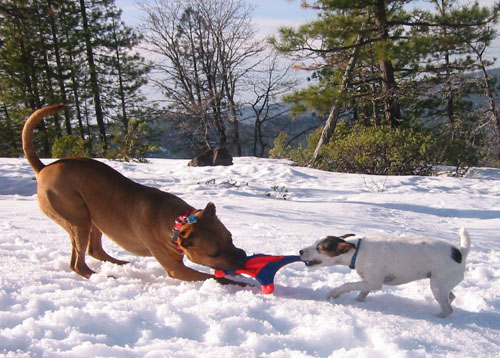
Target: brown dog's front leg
{"x":175,"y":268}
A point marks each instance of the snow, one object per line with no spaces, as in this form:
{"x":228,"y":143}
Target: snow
{"x":46,"y":310}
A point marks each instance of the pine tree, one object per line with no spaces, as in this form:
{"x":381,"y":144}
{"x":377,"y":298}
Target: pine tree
{"x":447,"y":84}
{"x":396,"y":47}
{"x":90,"y":32}
{"x":125,"y":71}
{"x":61,"y":51}
{"x":21,"y":69}
{"x":60,"y":67}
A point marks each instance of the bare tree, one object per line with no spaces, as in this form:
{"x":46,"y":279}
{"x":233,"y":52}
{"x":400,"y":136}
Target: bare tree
{"x":204,"y":49}
{"x":478,"y":49}
{"x":269,"y":83}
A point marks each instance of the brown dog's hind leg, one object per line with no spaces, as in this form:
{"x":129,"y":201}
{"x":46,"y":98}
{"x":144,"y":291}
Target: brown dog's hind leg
{"x":96,"y":250}
{"x":66,"y":207}
{"x":80,"y":241}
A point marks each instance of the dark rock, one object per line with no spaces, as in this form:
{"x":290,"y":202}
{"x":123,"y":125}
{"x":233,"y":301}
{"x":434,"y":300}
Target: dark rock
{"x":212,"y":157}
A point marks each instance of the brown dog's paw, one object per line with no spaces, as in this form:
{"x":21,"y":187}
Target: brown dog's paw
{"x":225,"y":281}
{"x":83,"y":270}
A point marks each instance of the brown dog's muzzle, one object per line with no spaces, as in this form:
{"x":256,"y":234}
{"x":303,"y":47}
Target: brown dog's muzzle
{"x":240,"y":258}
{"x":231,"y":260}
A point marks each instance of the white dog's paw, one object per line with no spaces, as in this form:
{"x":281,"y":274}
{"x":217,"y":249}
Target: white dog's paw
{"x":442,"y":315}
{"x":334,"y":294}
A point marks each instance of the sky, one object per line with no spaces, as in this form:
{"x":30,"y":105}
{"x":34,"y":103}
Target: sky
{"x":268,"y":14}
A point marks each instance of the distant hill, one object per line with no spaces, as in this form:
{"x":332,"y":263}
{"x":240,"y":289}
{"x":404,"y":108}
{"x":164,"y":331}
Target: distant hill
{"x":171,"y":147}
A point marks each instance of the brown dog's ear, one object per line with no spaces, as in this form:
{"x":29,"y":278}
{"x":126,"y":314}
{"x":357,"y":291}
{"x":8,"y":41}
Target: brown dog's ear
{"x":344,"y":247}
{"x":347,"y":235}
{"x":209,"y":209}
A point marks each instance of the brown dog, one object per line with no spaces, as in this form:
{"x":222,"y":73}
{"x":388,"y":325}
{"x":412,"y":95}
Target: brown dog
{"x":88,"y":198}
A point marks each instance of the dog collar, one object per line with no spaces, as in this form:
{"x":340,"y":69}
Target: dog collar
{"x":353,"y":260}
{"x":186,"y":218}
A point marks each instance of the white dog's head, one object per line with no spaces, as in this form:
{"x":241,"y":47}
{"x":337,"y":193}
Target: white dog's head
{"x":327,"y":251}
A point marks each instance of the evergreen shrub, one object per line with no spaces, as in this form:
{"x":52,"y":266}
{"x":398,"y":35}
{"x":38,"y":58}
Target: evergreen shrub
{"x":71,"y":146}
{"x":381,"y":150}
{"x":133,"y":145}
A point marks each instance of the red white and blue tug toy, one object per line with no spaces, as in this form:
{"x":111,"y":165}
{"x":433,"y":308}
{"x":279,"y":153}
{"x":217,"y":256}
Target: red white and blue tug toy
{"x":261,"y":267}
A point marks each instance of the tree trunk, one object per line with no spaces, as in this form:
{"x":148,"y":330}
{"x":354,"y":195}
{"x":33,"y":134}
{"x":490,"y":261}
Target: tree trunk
{"x":32,"y":99}
{"x":121,"y":91}
{"x":94,"y":84}
{"x":236,"y":127}
{"x":10,"y":132}
{"x":74,"y":84}
{"x":48,"y":92}
{"x":392,"y":110}
{"x":229,"y":90}
{"x":60,"y":79}
{"x":495,"y":118}
{"x":333,"y":116}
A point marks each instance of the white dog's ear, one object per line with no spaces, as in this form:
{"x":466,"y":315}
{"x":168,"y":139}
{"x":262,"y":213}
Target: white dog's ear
{"x":344,"y":247}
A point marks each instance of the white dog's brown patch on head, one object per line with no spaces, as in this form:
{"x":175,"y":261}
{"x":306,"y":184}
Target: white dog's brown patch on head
{"x":324,"y":249}
{"x":334,"y":246}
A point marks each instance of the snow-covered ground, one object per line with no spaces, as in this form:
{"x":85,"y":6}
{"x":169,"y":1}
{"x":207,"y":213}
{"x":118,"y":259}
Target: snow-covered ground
{"x":46,"y":310}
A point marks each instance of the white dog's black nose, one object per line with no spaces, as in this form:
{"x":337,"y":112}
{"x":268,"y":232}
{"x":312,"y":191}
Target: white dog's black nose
{"x":301,"y":252}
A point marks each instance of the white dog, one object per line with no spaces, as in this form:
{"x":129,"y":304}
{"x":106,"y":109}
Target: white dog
{"x":394,"y":261}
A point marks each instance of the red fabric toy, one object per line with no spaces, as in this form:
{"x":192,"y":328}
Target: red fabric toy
{"x":263,"y":268}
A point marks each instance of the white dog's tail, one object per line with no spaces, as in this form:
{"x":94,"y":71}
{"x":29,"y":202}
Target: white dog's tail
{"x":464,"y":243}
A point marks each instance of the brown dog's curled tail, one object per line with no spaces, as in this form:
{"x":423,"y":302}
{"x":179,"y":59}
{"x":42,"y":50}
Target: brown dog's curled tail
{"x":27,"y":136}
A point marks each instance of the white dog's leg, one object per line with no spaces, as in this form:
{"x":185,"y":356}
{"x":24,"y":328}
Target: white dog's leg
{"x":363,"y":286}
{"x":443,"y":295}
{"x":362,"y":295}
{"x":444,"y":303}
{"x":441,"y":286}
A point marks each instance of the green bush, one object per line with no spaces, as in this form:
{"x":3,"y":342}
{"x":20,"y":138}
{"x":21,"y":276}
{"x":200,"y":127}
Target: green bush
{"x":133,"y":145}
{"x":301,"y":156}
{"x":280,"y":150}
{"x":380,"y":150}
{"x":458,"y":152}
{"x":71,"y":146}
